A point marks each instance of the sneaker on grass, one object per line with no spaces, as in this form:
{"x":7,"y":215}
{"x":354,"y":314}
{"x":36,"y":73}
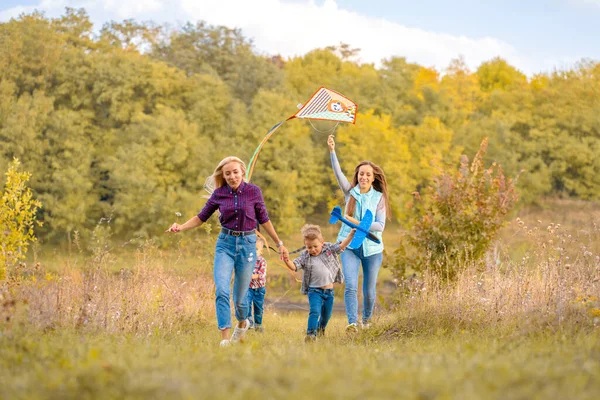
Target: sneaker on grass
{"x":310,"y":338}
{"x":238,"y":333}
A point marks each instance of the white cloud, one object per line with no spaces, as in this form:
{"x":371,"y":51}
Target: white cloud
{"x":295,"y":28}
{"x":292,"y":29}
{"x":14,"y":12}
{"x":591,"y":2}
{"x":131,"y":8}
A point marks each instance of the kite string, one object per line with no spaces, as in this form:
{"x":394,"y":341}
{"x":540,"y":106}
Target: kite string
{"x":326,"y":130}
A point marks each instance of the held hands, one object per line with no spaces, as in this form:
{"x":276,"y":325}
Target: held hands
{"x":285,"y":256}
{"x":284,"y":253}
{"x":331,"y":143}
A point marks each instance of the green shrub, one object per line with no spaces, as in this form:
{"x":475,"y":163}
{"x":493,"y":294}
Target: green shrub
{"x":461,"y":218}
{"x":17,"y":218}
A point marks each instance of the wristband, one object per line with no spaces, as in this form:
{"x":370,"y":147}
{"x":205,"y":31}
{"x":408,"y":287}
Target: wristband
{"x":280,"y":243}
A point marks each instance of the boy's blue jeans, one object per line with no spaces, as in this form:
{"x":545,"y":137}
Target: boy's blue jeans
{"x":256,"y":300}
{"x":233,"y":255}
{"x":320,"y":302}
{"x":351,"y":261}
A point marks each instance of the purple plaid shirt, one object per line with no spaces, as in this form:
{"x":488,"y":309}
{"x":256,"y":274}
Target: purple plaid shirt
{"x":241,"y":210}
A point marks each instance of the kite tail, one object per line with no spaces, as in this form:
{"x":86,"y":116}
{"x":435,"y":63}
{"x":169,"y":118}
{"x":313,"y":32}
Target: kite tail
{"x":252,"y":162}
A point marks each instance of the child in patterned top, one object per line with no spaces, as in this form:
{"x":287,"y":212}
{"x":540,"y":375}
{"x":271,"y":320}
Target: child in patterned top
{"x":257,"y":291}
{"x":321,"y":268}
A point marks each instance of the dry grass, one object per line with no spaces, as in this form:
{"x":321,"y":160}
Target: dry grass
{"x":551,"y":282}
{"x":140,"y":324}
{"x":147,"y":298}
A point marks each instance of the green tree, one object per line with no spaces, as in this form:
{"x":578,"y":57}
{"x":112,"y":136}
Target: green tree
{"x":306,"y":74}
{"x":410,"y":92}
{"x":462,"y":89}
{"x":206,"y":49}
{"x":157,"y":172}
{"x":498,"y":74}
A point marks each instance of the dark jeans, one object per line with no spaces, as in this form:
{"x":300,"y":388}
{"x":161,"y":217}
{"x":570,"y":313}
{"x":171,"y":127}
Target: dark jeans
{"x":321,"y":306}
{"x":256,"y":298}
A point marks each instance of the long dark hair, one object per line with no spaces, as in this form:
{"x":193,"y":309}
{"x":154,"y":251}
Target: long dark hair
{"x":379,"y":184}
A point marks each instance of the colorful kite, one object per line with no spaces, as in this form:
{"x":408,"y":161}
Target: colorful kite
{"x":325,"y":104}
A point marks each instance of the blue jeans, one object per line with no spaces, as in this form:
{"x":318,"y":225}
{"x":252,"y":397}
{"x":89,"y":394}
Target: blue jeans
{"x":233,"y":255}
{"x":256,"y":298}
{"x":351,"y":260}
{"x":320,"y":302}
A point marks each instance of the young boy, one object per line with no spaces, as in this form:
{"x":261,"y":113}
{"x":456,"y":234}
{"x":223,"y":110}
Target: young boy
{"x":257,"y":291}
{"x":321,"y":268}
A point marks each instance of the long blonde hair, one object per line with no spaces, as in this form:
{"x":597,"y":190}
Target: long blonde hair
{"x":217,"y":176}
{"x":379,"y":184}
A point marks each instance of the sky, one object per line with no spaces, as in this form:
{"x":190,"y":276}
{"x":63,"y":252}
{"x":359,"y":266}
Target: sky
{"x":532,"y":35}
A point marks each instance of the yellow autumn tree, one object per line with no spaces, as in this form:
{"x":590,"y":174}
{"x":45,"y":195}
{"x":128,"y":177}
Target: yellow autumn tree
{"x":461,"y":87}
{"x":376,"y":140}
{"x":17,"y":218}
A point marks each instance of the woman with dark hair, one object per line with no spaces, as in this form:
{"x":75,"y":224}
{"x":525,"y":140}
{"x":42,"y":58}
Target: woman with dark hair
{"x":242,"y":209}
{"x":368,"y":191}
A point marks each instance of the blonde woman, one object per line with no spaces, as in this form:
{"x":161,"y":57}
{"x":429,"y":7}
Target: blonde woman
{"x":242,"y":209}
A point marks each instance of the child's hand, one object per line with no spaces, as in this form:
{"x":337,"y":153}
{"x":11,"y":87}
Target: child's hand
{"x":285,"y":254}
{"x":352,"y":232}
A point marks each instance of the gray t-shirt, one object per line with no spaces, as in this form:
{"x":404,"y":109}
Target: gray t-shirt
{"x":320,"y":275}
{"x":325,"y":267}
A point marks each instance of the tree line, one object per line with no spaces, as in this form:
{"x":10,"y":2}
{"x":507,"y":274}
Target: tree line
{"x":129,"y":121}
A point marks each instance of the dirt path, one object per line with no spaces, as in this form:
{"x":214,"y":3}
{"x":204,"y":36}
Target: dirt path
{"x":284,"y":301}
{"x":286,"y":305}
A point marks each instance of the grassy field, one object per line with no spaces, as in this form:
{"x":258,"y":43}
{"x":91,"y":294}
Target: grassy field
{"x":66,"y":364}
{"x":138,"y":322}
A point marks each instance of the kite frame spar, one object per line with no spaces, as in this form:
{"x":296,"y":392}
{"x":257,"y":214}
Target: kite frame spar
{"x":325,"y":104}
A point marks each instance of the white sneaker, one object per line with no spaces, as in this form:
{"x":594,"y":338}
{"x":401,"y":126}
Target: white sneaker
{"x":238,"y":333}
{"x":310,"y":338}
{"x":365,"y":325}
{"x":352,"y":328}
{"x":225,"y":343}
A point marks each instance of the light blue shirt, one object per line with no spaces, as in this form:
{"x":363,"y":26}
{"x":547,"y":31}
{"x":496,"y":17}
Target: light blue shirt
{"x":372,"y":200}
